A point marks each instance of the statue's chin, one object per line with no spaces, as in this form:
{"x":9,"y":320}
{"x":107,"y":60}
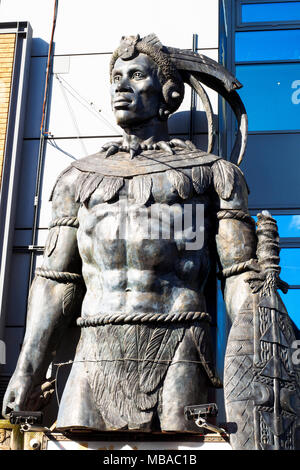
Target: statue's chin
{"x":128,"y":119}
{"x":125,"y":118}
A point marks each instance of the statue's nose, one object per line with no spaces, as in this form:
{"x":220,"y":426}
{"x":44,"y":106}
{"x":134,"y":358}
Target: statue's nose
{"x":123,"y":85}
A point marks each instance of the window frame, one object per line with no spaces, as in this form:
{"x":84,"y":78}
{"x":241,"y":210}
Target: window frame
{"x":260,"y":25}
{"x":238,"y":26}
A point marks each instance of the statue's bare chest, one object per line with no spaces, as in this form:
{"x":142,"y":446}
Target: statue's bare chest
{"x":143,"y":190}
{"x":164,"y":230}
{"x":146,"y":209}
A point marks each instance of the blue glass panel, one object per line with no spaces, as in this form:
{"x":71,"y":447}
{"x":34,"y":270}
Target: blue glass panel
{"x":292,"y":302}
{"x":290,"y":265}
{"x":267,"y":45}
{"x":279,"y":11}
{"x":271,"y":94}
{"x":288,"y":225}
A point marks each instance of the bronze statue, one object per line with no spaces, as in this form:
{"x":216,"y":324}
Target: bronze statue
{"x":128,"y":254}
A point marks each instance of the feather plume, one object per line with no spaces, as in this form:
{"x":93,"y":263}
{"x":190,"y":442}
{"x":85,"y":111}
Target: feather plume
{"x":79,"y":183}
{"x":109,"y":187}
{"x":181,"y":182}
{"x":160,"y":351}
{"x":114,"y":377}
{"x":68,"y":297}
{"x":140,"y":189}
{"x":70,"y":169}
{"x":202,"y":338}
{"x":153,"y":40}
{"x":88,"y":186}
{"x":201,"y":176}
{"x":51,"y":241}
{"x":223,"y":178}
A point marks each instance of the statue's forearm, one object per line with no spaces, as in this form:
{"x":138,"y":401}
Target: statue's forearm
{"x":236,"y":242}
{"x":46,"y":322}
{"x":236,"y":292}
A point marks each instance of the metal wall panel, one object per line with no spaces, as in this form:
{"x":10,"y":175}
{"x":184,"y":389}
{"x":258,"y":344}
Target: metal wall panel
{"x":37,"y":74}
{"x":13,"y":338}
{"x":271,"y":167}
{"x":17,"y":294}
{"x":25,"y":196}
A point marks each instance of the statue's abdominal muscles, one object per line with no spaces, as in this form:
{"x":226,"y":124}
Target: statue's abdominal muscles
{"x":135,"y":259}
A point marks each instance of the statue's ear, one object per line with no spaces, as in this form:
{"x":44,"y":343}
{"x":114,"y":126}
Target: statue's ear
{"x":173,"y":94}
{"x":163,"y":112}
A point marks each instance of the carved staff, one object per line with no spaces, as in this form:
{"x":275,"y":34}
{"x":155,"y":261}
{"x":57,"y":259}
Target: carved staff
{"x":260,"y":382}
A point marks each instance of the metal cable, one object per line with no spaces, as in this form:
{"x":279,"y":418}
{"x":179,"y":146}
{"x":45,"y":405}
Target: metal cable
{"x":73,"y":117}
{"x":85,"y":103}
{"x":41,"y":148}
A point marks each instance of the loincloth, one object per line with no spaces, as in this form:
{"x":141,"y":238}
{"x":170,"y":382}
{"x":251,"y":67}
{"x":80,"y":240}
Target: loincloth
{"x":126,"y":365}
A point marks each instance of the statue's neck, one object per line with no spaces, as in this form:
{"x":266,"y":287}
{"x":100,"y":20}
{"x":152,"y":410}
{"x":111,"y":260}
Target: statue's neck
{"x":147,"y":133}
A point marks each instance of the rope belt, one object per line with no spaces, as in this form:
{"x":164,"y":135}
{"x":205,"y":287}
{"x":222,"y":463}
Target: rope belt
{"x":58,"y":276}
{"x":236,"y":214}
{"x":144,"y":317}
{"x":65,"y":222}
{"x":250,"y":265}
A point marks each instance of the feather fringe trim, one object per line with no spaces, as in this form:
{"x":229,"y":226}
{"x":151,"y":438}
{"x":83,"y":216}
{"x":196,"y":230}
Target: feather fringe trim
{"x":201,"y":177}
{"x":70,"y":169}
{"x":140,"y":189}
{"x":223,"y":178}
{"x":181,"y":182}
{"x":86,"y":185}
{"x":222,"y":174}
{"x":109,"y":187}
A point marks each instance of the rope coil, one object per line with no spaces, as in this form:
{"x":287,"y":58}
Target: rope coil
{"x":250,"y":265}
{"x":144,"y":317}
{"x":236,"y":214}
{"x":59,"y":276}
{"x":65,"y":222}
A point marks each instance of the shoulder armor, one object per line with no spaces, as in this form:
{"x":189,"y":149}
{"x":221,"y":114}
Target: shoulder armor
{"x":224,"y":175}
{"x":65,"y":173}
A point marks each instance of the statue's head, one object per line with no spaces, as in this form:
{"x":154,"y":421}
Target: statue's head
{"x":144,"y":82}
{"x":147,"y":82}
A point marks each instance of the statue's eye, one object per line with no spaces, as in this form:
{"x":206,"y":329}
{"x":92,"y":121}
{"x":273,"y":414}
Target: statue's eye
{"x":138,"y":75}
{"x":117,"y":78}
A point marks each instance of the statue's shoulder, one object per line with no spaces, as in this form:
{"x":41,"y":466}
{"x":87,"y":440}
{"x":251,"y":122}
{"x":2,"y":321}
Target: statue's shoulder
{"x":213,"y":172}
{"x":184,"y":168}
{"x":65,"y":183}
{"x":148,"y":162}
{"x":228,"y":179}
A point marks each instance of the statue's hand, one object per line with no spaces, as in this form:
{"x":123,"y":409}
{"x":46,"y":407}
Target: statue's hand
{"x":40,"y":395}
{"x":17,"y":393}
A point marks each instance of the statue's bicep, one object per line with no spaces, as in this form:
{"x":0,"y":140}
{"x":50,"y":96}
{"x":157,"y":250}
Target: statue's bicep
{"x":61,"y":251}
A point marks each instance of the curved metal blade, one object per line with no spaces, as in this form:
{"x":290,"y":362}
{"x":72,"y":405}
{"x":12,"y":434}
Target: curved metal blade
{"x":215,"y":76}
{"x":209,"y":69}
{"x":196,"y":85}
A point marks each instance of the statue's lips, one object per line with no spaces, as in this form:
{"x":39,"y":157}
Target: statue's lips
{"x":122,"y":102}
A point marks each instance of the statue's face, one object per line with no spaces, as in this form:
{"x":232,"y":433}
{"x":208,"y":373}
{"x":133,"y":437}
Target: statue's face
{"x":136,"y":93}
